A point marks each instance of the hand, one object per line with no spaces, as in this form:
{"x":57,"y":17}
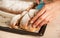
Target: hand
{"x":37,"y":1}
{"x":47,"y":13}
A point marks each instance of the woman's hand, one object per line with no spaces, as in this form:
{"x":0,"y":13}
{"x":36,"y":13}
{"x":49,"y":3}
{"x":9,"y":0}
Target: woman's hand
{"x":37,"y":1}
{"x":47,"y":13}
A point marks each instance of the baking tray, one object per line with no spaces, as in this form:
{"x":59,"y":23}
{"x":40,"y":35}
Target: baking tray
{"x":23,"y":32}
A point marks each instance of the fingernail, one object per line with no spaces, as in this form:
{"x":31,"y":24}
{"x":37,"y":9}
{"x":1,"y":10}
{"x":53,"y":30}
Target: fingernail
{"x":31,"y":22}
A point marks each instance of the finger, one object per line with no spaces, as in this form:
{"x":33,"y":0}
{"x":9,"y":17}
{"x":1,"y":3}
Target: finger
{"x":47,"y":20}
{"x":40,"y":19}
{"x":38,"y":15}
{"x":37,"y":1}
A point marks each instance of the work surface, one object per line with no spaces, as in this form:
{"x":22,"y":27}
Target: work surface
{"x":52,"y":31}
